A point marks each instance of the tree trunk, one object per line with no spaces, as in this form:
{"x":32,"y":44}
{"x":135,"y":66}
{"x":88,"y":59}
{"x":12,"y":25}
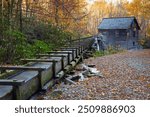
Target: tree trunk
{"x":56,"y":12}
{"x":20,"y":14}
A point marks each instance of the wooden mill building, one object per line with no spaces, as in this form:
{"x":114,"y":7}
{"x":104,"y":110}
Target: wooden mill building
{"x":122,"y":32}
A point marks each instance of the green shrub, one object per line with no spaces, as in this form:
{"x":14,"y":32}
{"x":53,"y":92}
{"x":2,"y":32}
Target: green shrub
{"x":112,"y":50}
{"x":40,"y":47}
{"x":38,"y":38}
{"x":99,"y":53}
{"x":12,"y":44}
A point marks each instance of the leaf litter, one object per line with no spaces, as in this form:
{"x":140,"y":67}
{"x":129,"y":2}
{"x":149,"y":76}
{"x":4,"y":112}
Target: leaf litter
{"x":125,"y":76}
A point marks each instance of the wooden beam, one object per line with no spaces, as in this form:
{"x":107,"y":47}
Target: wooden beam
{"x":59,"y":52}
{"x":70,"y":48}
{"x":39,"y":60}
{"x":70,"y":81}
{"x":21,"y":68}
{"x":12,"y":82}
{"x":65,"y":49}
{"x":74,"y":77}
{"x":49,"y":55}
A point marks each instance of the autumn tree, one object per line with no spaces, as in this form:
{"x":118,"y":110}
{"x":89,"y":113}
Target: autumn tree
{"x":97,"y":11}
{"x":141,"y":10}
{"x":37,"y":23}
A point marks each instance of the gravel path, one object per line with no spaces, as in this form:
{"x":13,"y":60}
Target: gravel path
{"x":126,"y":76}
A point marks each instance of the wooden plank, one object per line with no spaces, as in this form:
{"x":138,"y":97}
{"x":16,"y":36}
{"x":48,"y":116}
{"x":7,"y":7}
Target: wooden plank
{"x":39,"y":60}
{"x":70,"y":81}
{"x":49,"y":55}
{"x":68,"y":49}
{"x":74,"y":77}
{"x":21,"y":68}
{"x":78,"y":47}
{"x":12,"y":82}
{"x":65,"y":49}
{"x":59,"y":52}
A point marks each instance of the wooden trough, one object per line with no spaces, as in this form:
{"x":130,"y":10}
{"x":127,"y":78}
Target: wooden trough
{"x":42,"y":72}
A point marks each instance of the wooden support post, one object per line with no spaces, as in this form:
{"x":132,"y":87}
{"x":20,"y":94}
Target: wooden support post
{"x":62,"y":63}
{"x":81,"y":48}
{"x":69,"y":61}
{"x":40,"y":79}
{"x":81,"y":60}
{"x":54,"y":69}
{"x":16,"y":93}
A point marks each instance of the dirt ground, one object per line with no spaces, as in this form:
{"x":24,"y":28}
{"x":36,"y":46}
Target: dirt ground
{"x":126,"y":76}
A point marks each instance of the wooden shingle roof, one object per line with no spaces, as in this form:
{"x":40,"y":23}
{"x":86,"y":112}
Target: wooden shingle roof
{"x":117,"y":23}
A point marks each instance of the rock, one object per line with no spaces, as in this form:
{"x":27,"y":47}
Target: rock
{"x":91,"y":65}
{"x":81,"y":77}
{"x":128,"y":90}
{"x":56,"y":93}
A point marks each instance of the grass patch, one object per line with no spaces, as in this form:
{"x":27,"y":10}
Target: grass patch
{"x":108,"y":51}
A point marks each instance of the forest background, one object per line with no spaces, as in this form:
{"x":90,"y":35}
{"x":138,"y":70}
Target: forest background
{"x":28,"y":27}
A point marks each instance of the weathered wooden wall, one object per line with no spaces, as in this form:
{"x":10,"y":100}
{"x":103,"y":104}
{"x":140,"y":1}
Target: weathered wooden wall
{"x":124,"y":39}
